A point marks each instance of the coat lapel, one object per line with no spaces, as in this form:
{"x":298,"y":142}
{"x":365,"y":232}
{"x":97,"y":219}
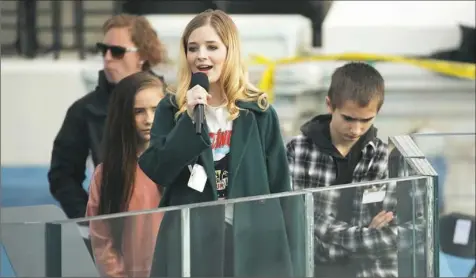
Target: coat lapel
{"x":240,"y":136}
{"x":206,"y":158}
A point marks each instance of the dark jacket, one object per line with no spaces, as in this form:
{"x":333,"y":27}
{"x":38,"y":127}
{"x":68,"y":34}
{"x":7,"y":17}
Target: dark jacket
{"x":268,"y":234}
{"x":79,"y":136}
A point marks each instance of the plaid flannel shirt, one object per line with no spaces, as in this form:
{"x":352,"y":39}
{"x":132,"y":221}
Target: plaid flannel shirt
{"x":311,"y":168}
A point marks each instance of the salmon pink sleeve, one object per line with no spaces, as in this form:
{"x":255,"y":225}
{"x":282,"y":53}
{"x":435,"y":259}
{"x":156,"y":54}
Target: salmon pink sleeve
{"x":108,"y":261}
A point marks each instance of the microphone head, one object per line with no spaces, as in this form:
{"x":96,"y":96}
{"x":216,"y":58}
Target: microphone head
{"x":200,"y":78}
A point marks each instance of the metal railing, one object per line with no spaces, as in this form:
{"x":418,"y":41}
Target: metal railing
{"x":80,"y":13}
{"x":25,"y":15}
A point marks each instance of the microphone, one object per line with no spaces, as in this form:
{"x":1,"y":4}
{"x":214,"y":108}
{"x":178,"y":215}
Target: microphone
{"x":199,"y":78}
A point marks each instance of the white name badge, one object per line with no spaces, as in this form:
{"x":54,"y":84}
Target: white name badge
{"x":198,"y":178}
{"x":373,"y":195}
{"x":462,"y":232}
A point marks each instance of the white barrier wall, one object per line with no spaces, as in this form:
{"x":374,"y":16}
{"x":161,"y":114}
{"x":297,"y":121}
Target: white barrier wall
{"x":395,"y":27}
{"x":35,"y":95}
{"x":274,"y":36}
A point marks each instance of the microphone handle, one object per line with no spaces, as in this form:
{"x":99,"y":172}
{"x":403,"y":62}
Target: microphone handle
{"x":199,"y":115}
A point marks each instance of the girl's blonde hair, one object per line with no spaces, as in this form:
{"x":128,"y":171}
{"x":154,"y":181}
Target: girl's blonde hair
{"x":234,"y":76}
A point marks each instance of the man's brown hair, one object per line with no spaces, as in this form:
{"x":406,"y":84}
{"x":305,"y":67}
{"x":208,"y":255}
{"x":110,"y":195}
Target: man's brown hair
{"x":358,"y":82}
{"x":150,"y":48}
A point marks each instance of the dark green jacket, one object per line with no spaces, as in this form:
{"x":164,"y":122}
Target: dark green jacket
{"x":268,"y":234}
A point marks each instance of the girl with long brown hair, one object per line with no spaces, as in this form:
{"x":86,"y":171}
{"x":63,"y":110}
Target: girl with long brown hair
{"x":123,"y":246}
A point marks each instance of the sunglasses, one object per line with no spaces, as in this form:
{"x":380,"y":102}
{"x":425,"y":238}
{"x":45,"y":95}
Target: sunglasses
{"x":117,"y":52}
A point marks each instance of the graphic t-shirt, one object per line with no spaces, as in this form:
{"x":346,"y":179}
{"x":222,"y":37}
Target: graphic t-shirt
{"x":220,"y":128}
{"x":221,"y":175}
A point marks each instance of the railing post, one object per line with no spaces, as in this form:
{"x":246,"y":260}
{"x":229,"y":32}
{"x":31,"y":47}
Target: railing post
{"x":53,"y":264}
{"x":79,"y":28}
{"x":309,"y":208}
{"x":56,"y":28}
{"x":432,"y":227}
{"x":117,"y":7}
{"x":185,"y":225}
{"x":26,"y":28}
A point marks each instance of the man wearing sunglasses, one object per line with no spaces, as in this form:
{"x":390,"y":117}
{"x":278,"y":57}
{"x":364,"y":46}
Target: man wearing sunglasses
{"x":130,"y":45}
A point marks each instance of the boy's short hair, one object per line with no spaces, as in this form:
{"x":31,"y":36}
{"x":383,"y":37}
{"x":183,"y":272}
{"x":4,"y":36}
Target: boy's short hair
{"x":358,"y":82}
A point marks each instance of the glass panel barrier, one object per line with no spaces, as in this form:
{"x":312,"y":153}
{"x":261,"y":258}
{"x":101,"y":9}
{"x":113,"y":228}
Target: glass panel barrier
{"x":373,"y":230}
{"x":407,"y":160}
{"x":452,"y":155}
{"x":264,"y":237}
{"x":293,"y":234}
{"x":24,"y":246}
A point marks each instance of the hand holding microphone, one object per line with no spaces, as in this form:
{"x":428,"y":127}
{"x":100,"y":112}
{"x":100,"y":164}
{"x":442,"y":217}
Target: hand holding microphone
{"x":197,"y":97}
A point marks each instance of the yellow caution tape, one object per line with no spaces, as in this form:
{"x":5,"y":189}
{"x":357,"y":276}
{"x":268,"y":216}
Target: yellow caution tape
{"x":456,"y":69}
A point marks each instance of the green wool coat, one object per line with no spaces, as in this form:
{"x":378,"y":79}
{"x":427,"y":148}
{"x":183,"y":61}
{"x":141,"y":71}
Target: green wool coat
{"x":269,"y":235}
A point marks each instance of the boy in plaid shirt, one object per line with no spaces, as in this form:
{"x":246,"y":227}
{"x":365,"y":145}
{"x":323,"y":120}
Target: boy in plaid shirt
{"x":355,"y":234}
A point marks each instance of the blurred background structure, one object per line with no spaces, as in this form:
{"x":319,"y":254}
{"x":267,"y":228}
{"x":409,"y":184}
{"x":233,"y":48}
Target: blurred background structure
{"x":49,"y":61}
